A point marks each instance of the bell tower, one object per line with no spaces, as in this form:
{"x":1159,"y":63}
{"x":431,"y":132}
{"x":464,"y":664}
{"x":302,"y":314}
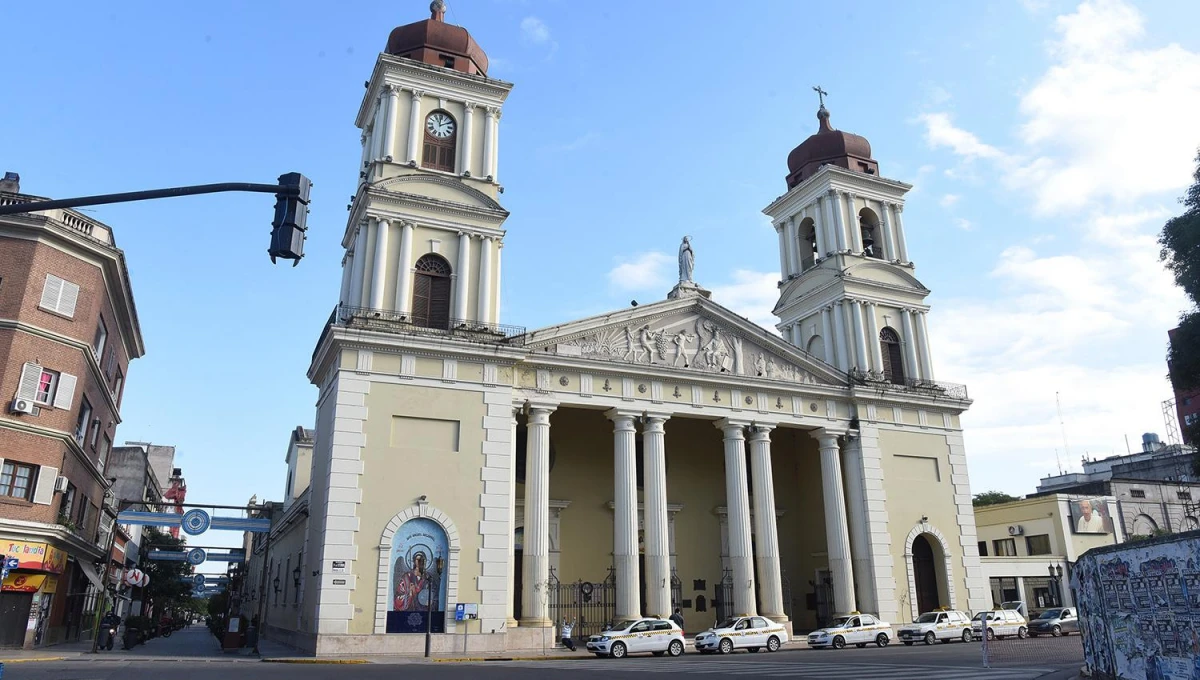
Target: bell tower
{"x":848,"y":294}
{"x":425,"y":232}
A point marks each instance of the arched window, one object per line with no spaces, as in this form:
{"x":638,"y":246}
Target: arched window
{"x":868,"y":224}
{"x":808,"y":244}
{"x":441,"y":138}
{"x":893,"y":358}
{"x":431,"y":292}
{"x":816,"y":347}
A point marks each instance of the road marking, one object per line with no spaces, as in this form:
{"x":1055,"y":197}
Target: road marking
{"x":784,"y":669}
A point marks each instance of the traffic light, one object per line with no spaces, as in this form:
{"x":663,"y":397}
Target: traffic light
{"x":291,"y":213}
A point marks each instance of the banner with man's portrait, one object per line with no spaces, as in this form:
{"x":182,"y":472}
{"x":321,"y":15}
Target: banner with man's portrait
{"x":1090,"y":516}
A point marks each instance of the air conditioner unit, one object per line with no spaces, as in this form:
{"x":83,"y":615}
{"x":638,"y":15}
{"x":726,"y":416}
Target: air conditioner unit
{"x":60,"y":484}
{"x":1016,"y":530}
{"x":23,"y":406}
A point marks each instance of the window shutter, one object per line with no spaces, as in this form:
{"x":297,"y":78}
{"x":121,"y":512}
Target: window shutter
{"x":51,"y":292}
{"x":30,"y":374}
{"x":420,"y":303}
{"x":70,"y":295}
{"x":439,"y":302}
{"x":65,"y":394}
{"x":43,"y":491}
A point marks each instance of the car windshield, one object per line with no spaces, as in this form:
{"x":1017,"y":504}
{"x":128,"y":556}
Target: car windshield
{"x":927,"y":618}
{"x":622,"y":625}
{"x":1049,"y":614}
{"x":984,"y":615}
{"x":728,"y":623}
{"x":840,"y":622}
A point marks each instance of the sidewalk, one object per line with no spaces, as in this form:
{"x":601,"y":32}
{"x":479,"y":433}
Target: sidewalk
{"x":192,"y":644}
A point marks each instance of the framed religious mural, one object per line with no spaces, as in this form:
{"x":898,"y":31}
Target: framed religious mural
{"x":418,"y":584}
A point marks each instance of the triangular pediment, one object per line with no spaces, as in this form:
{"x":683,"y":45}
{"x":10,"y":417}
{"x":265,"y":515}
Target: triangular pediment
{"x":439,"y":189}
{"x":688,"y":335}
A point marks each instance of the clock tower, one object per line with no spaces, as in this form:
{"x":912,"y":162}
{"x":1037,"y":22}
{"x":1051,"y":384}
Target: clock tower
{"x":425,"y":232}
{"x":848,"y":294}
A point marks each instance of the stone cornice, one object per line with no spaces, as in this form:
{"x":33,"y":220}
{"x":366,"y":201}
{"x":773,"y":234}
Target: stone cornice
{"x":422,"y":210}
{"x":67,"y":440}
{"x":832,"y":177}
{"x":437,"y":81}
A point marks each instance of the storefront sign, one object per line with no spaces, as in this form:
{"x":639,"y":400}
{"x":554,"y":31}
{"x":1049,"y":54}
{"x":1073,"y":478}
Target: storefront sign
{"x":51,"y":585}
{"x":35,"y":556}
{"x":23,"y":583}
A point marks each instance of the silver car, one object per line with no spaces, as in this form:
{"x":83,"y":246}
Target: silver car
{"x":1055,"y":621}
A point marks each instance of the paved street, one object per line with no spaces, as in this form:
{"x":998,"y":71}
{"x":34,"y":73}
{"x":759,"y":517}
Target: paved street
{"x":194,"y":655}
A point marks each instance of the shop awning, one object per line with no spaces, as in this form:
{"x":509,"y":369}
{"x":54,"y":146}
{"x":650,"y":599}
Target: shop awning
{"x":23,"y":583}
{"x":91,"y":575}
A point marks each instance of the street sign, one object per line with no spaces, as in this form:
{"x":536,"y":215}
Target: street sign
{"x":466,"y":611}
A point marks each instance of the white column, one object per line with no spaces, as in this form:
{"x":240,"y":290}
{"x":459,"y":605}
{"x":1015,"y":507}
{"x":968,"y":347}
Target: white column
{"x":839,"y":218}
{"x":625,"y":524}
{"x":510,"y":618}
{"x":860,"y":538}
{"x":535,"y":572}
{"x":484,"y":305}
{"x":379,"y":127}
{"x":889,"y":242}
{"x":379,"y":270}
{"x":839,"y":336}
{"x":781,"y":231}
{"x":923,"y":346}
{"x":366,"y":152}
{"x":913,"y":369}
{"x":737,"y":505}
{"x":496,"y":149}
{"x":817,"y":235}
{"x":347,"y":265}
{"x":797,"y":334}
{"x":837,"y":538}
{"x":766,"y":533}
{"x":1021,"y":594}
{"x":462,"y":276}
{"x":852,"y":224}
{"x":389,"y":132}
{"x":414,"y":127}
{"x":793,"y":247}
{"x":468,"y":129}
{"x":827,"y":224}
{"x":360,"y":259}
{"x":901,"y":246}
{"x":827,"y":337}
{"x":658,"y":546}
{"x":873,"y":336}
{"x":404,"y":269}
{"x":496,"y":313}
{"x":489,"y":149}
{"x":860,"y":334}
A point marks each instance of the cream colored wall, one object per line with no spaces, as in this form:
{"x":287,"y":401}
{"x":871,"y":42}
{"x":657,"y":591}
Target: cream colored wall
{"x":284,"y":610}
{"x":303,"y":473}
{"x":908,"y":500}
{"x":395,"y":476}
{"x":1038,"y":515}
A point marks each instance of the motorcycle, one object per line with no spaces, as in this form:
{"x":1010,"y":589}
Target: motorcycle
{"x":108,"y":635}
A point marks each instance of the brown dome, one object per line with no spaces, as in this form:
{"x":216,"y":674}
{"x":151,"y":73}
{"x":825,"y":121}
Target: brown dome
{"x":829,"y":147}
{"x":433,"y":41}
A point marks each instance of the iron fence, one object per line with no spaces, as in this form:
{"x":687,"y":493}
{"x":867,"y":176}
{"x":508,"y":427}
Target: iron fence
{"x":723,"y":596}
{"x":589,"y":605}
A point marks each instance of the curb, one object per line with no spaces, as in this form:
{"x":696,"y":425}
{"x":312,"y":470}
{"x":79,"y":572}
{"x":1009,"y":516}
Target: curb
{"x":34,"y":659}
{"x":318,"y":661}
{"x":477,"y":659}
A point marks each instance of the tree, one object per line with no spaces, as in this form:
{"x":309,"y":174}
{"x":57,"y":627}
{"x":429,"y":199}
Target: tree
{"x":166,"y":589}
{"x":992,"y":498}
{"x":1180,"y":253}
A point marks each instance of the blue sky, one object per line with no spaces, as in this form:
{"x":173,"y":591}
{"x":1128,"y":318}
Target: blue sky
{"x":1047,"y":142}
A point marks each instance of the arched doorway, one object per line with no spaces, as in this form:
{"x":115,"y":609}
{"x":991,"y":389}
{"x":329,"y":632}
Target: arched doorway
{"x":924,"y":575}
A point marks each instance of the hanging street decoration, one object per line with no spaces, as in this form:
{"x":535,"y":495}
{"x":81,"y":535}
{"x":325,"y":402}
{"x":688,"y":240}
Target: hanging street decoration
{"x":197,"y":556}
{"x":194,"y":521}
{"x":137,"y":578}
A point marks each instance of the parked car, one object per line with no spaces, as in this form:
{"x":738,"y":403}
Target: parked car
{"x":856,"y":629}
{"x":1001,"y":623}
{"x":942,"y":624}
{"x":635,"y":636}
{"x":742,"y":632}
{"x":1056,"y":622}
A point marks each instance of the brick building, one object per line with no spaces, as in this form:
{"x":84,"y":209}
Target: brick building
{"x":68,"y":330}
{"x":1187,"y":402}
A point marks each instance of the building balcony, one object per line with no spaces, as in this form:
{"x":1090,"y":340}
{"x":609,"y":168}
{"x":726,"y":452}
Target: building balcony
{"x":75,"y":221}
{"x":931,"y":388}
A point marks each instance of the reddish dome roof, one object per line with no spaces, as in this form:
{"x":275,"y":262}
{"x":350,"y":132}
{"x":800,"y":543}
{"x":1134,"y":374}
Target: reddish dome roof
{"x":433,"y":41}
{"x":829,"y":147}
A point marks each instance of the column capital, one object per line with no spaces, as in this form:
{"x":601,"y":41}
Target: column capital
{"x":622,"y":418}
{"x":469,"y":106}
{"x":492,"y":111}
{"x":363,"y":138}
{"x":654,"y":423}
{"x":826,"y":436}
{"x":898,"y":207}
{"x":733,"y":428}
{"x":417,"y":94}
{"x":761,"y":432}
{"x":390,"y":89}
{"x":832,"y":192}
{"x":850,"y":194}
{"x":855,"y":301}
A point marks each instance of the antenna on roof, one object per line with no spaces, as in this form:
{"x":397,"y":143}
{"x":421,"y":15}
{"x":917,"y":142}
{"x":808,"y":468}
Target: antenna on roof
{"x":1063,"y":425}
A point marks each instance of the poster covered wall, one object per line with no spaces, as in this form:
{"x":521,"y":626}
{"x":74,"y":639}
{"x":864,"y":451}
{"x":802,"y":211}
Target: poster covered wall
{"x":416,"y":587}
{"x":1139,"y":608}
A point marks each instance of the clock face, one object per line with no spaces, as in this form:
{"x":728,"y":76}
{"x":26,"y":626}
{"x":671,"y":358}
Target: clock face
{"x":439,"y":125}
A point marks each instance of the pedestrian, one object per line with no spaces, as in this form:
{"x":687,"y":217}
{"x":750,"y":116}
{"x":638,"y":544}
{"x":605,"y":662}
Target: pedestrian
{"x":677,"y":618}
{"x":565,"y":635}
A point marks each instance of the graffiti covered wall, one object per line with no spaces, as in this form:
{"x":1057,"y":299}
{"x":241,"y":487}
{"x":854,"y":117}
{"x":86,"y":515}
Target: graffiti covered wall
{"x":1139,"y":608}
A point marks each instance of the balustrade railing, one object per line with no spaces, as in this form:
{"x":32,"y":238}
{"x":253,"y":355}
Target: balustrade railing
{"x":884,"y":381}
{"x":389,"y":321}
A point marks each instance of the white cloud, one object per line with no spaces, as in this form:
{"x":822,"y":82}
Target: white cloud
{"x":963,"y":223}
{"x":535,"y":31}
{"x":949,"y":200}
{"x":751,"y":294}
{"x":642,"y":272}
{"x":940,"y":131}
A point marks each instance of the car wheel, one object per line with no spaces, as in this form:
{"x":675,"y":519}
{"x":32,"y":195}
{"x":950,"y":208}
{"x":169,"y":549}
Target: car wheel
{"x":930,"y":638}
{"x":726,"y":646}
{"x":992,"y":634}
{"x":1056,"y":631}
{"x":839,"y":642}
{"x":618,"y":650}
{"x":1022,"y":632}
{"x":773,"y":644}
{"x":908,"y":643}
{"x":860,"y":645}
{"x":882,"y":640}
{"x":968,"y":635}
{"x":676,"y":648}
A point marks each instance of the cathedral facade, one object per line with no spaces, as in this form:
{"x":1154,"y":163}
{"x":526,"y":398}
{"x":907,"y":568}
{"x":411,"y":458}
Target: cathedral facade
{"x":669,"y":455}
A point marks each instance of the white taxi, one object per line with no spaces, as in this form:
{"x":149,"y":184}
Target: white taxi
{"x":635,"y":636}
{"x":1001,"y":623}
{"x":853,"y":629}
{"x":742,"y":632}
{"x":942,"y":624}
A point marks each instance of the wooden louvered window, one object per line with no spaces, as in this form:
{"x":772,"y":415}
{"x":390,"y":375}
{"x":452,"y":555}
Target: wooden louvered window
{"x":431,"y":292}
{"x":893,"y":358}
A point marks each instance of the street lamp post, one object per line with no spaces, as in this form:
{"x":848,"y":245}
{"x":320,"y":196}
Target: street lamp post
{"x":436,"y":579}
{"x":1056,"y":572}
